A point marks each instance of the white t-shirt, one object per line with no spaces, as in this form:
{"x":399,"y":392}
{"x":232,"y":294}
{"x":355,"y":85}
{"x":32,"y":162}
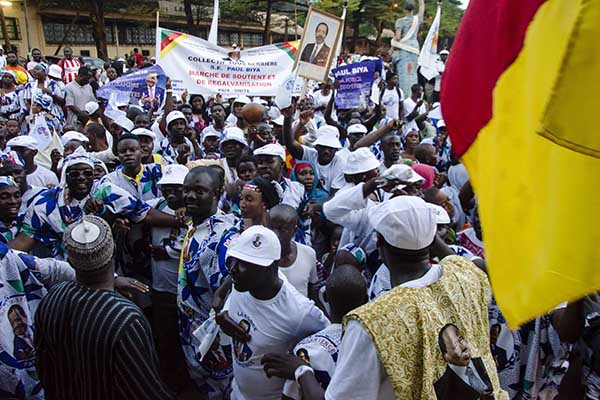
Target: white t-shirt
{"x":330,"y":175}
{"x":275,"y":325}
{"x":366,"y":379}
{"x":390,"y":101}
{"x":322,"y":350}
{"x":42,"y":177}
{"x":409,"y":106}
{"x":303,"y":271}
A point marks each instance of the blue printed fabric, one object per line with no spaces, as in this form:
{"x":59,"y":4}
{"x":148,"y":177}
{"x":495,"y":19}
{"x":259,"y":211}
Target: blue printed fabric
{"x":53,"y":210}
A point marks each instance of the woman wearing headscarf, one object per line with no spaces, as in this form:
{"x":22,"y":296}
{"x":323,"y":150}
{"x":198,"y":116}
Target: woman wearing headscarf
{"x":306,"y":173}
{"x":9,"y":98}
{"x":42,"y":85}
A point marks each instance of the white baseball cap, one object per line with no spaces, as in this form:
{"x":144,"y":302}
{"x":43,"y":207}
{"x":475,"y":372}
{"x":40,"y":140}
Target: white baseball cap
{"x":441,"y":215}
{"x":144,"y":132}
{"x":446,"y":52}
{"x":328,"y":136}
{"x":23,"y":141}
{"x":256,"y":245}
{"x":357,"y":128}
{"x":210,"y":133}
{"x":402,"y":172}
{"x":441,"y":123}
{"x":73,"y":135}
{"x":91,"y":107}
{"x":55,"y":71}
{"x":234,"y":133}
{"x":271,"y":149}
{"x":174,"y":115}
{"x":278,"y":121}
{"x":173,"y":174}
{"x":242,"y":99}
{"x":405,"y":222}
{"x":360,"y":161}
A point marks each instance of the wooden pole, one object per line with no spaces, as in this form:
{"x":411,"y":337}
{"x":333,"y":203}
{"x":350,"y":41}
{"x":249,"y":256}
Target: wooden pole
{"x":4,"y":30}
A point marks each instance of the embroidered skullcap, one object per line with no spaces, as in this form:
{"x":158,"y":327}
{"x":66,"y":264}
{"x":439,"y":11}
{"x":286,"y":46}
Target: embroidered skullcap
{"x":89,"y":244}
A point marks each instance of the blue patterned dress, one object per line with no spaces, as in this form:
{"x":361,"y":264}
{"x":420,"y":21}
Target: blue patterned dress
{"x":406,"y":61}
{"x":202,"y":270}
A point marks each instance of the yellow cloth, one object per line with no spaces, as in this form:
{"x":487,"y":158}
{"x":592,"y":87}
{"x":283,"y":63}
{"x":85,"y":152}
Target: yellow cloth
{"x":535,"y":169}
{"x":404,"y":325}
{"x":20,"y":72}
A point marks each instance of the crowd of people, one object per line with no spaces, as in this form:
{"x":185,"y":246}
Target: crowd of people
{"x":179,"y":245}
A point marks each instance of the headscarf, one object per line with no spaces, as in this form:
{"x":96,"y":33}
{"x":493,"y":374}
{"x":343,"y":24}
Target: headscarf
{"x":317,"y":192}
{"x":43,"y":100}
{"x":427,"y":172}
{"x":6,"y":181}
{"x":11,"y":73}
{"x":101,"y":164}
{"x":42,"y":66}
{"x":79,"y":156}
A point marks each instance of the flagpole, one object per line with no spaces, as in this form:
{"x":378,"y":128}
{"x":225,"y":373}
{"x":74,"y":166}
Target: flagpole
{"x":340,"y":42}
{"x":157,"y":37}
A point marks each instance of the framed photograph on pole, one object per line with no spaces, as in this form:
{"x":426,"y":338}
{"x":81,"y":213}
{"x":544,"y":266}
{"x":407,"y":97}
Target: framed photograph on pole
{"x":318,"y":46}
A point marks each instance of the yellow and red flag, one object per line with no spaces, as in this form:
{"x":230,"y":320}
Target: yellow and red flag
{"x":520,"y":95}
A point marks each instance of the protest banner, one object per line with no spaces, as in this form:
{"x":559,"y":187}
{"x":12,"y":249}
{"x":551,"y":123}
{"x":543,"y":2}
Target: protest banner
{"x":202,"y":67}
{"x":146,"y":83}
{"x":428,"y":58}
{"x":355,"y":84}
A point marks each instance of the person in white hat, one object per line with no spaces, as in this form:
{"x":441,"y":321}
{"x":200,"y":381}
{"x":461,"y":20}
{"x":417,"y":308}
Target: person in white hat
{"x":166,"y":245}
{"x":264,"y":312}
{"x":329,"y":165}
{"x":278,"y":127}
{"x":270,"y":161}
{"x":147,"y":138}
{"x":26,"y":147}
{"x":426,"y":299}
{"x":176,"y":148}
{"x":236,"y":110}
{"x":233,"y":145}
{"x":203,"y":272}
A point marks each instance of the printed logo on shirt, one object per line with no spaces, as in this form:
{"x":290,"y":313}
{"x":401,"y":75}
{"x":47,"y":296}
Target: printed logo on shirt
{"x":242,"y":351}
{"x":16,"y":343}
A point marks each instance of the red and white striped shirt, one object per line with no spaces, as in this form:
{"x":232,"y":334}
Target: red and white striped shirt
{"x":70,"y":69}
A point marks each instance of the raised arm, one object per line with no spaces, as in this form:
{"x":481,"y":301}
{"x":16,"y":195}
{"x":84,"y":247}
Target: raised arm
{"x":329,"y":111}
{"x":289,"y":141}
{"x":169,"y":106}
{"x":373,"y":137}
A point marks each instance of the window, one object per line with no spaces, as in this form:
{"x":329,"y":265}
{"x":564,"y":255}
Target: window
{"x":252,"y":39}
{"x":12,"y":28}
{"x":85,"y":53}
{"x":76,"y":34}
{"x":137,"y":35}
{"x":146,"y":53}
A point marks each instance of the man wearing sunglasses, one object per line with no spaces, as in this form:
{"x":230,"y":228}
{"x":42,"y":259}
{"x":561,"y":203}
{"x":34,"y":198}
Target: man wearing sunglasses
{"x":55,"y":209}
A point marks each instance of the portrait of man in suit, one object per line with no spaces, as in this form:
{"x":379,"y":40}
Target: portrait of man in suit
{"x":465,"y":378}
{"x":318,"y":52}
{"x":152,"y":95}
{"x":23,"y":335}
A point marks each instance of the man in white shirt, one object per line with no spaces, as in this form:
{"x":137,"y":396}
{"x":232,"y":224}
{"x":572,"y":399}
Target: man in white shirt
{"x":415,"y":110}
{"x":271,"y":314}
{"x":26,"y":147}
{"x":392,"y":97}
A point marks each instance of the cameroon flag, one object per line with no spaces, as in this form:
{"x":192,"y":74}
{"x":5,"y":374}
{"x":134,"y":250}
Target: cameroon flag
{"x":521,"y":101}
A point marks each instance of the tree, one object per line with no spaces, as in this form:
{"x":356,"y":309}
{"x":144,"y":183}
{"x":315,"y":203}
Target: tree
{"x":97,"y":19}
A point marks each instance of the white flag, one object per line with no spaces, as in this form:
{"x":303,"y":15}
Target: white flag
{"x":214,"y":26}
{"x":428,"y":56}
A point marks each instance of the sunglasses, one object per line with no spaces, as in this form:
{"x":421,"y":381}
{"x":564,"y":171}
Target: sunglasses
{"x":76,"y":174}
